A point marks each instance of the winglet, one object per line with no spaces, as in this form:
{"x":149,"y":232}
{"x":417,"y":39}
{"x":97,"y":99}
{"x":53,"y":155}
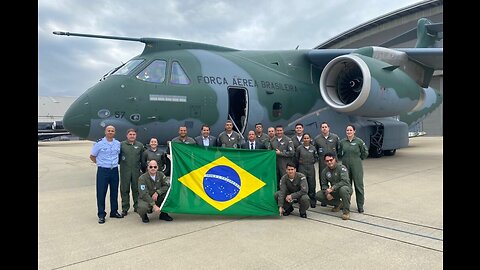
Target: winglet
{"x":427,"y":33}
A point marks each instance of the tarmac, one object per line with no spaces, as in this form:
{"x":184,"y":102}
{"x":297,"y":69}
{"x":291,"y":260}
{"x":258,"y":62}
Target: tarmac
{"x":402,"y":227}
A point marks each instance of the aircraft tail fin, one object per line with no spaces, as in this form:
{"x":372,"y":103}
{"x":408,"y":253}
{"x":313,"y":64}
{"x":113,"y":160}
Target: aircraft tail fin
{"x":426,"y":32}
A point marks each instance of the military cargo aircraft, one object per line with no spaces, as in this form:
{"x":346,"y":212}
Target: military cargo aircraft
{"x":381,"y":91}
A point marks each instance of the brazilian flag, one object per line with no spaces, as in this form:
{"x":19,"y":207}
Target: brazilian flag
{"x":221,"y":181}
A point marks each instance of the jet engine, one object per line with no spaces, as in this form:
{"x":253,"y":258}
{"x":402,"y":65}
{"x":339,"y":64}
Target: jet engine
{"x":361,"y":85}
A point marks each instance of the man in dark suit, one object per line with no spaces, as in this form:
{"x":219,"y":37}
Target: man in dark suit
{"x":252,"y":142}
{"x":206,"y":139}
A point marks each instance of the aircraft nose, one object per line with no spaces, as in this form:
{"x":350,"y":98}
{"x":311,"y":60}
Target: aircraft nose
{"x":77,"y":118}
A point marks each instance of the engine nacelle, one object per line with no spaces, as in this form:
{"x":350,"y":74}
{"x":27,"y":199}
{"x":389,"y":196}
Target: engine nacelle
{"x":359,"y":85}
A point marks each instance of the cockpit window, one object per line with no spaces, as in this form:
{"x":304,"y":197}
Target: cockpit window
{"x":155,"y":72}
{"x":177,"y":75}
{"x":128,"y":67}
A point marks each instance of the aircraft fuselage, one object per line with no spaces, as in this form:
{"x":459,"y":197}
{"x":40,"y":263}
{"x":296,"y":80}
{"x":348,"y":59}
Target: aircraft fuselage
{"x":278,"y":89}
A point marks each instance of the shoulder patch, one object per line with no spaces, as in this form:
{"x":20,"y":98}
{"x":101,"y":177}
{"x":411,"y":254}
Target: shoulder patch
{"x":344,"y":169}
{"x":142,"y":187}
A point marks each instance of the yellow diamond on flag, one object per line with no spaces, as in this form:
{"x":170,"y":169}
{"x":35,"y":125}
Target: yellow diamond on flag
{"x":221,"y":183}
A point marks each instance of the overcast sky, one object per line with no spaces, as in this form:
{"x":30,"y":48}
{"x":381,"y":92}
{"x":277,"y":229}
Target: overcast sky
{"x":67,"y":66}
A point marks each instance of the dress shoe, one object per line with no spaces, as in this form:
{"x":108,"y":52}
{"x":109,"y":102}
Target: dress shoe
{"x":145,"y":219}
{"x":165,"y":216}
{"x":124,"y":212}
{"x":313,"y":204}
{"x":303,"y":215}
{"x":323,"y":204}
{"x":115,"y":215}
{"x":101,"y":220}
{"x":346,"y":216}
{"x":360,"y":210}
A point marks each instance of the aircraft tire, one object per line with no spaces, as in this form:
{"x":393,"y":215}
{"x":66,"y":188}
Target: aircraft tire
{"x":389,"y":152}
{"x":375,"y":152}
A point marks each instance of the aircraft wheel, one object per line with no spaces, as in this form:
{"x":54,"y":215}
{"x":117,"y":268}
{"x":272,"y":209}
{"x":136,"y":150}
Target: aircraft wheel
{"x":389,"y":152}
{"x":375,"y":152}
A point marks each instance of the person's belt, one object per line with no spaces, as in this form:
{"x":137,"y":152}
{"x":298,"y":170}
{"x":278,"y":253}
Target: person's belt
{"x":105,"y":168}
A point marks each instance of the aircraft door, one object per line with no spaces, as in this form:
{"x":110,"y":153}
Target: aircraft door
{"x":238,"y":108}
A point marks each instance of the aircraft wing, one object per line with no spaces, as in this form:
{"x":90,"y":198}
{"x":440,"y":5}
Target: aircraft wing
{"x":429,"y":57}
{"x":419,"y":62}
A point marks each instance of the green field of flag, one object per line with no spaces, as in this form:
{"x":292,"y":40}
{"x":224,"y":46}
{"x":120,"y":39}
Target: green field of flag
{"x":221,"y":181}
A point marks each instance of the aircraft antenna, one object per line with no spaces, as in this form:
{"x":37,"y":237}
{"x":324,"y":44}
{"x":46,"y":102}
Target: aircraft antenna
{"x":95,"y":36}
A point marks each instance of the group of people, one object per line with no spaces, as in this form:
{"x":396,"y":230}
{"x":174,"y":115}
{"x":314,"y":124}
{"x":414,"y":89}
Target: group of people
{"x":336,"y":178}
{"x":300,"y":152}
{"x":148,"y":189}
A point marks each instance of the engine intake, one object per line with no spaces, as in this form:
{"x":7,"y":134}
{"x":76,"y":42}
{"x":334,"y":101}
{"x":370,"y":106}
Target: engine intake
{"x":359,"y":85}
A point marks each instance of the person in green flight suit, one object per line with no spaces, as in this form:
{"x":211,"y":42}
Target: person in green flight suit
{"x":131,"y":152}
{"x":335,"y":188}
{"x":325,"y":142}
{"x":352,"y":150}
{"x":284,"y":150}
{"x":293,"y":188}
{"x":152,"y":188}
{"x":306,"y":156}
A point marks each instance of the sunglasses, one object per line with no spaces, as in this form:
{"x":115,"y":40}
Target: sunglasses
{"x":151,"y":167}
{"x":328,"y":160}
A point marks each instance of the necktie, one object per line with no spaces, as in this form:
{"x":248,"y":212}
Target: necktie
{"x":251,"y":145}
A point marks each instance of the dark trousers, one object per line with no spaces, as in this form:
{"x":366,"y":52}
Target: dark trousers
{"x":107,"y":177}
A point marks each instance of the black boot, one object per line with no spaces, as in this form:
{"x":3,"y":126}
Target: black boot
{"x":165,"y":216}
{"x":313,"y":203}
{"x":288,"y":211}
